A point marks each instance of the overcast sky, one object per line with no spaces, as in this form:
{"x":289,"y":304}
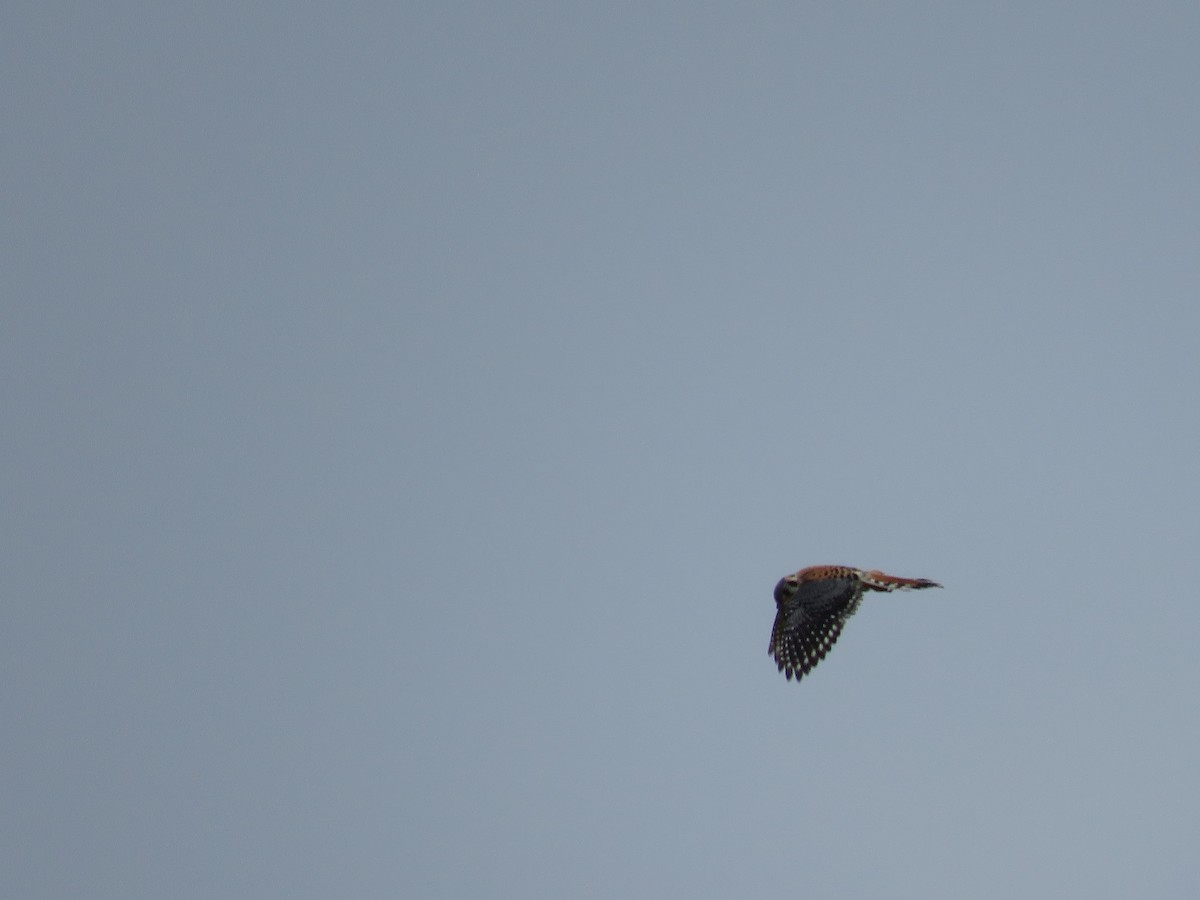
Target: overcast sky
{"x":409,"y":408}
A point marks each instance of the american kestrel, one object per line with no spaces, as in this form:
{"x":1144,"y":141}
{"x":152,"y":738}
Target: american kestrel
{"x":815,"y":603}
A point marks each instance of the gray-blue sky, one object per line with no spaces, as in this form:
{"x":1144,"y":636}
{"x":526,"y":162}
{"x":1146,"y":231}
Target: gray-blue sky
{"x":409,"y":409}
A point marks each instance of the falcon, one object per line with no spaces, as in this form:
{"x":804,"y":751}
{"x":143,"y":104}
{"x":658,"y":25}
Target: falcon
{"x":813,"y":606}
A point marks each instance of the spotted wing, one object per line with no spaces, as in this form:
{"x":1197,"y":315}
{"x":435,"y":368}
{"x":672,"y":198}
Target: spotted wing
{"x":809,"y":620}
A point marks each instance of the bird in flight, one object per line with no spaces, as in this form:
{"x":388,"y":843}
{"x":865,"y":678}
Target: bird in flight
{"x":813,"y":606}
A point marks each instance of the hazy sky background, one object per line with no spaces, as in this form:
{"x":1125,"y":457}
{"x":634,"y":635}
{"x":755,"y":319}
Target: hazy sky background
{"x":409,"y":408}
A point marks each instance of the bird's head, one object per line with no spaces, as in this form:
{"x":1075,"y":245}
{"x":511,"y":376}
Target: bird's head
{"x":788,"y":585}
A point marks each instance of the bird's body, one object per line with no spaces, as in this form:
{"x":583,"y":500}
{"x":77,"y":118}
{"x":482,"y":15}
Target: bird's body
{"x":813,"y":606}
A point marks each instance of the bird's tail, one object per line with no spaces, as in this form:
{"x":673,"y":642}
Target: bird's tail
{"x":881,"y":581}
